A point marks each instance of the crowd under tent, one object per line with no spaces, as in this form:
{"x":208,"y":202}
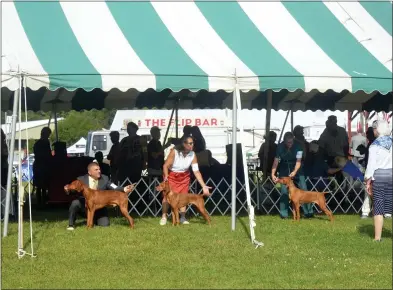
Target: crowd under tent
{"x":274,"y":55}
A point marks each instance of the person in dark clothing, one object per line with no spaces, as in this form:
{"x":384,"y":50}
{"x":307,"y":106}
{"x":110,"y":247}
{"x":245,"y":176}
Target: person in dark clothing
{"x":94,"y":180}
{"x":42,"y":165}
{"x":4,"y":160}
{"x":105,"y":168}
{"x":187,"y":130}
{"x":199,"y":141}
{"x":131,"y":159}
{"x":298,"y":132}
{"x":113,"y":155}
{"x":155,"y":153}
{"x":271,"y":152}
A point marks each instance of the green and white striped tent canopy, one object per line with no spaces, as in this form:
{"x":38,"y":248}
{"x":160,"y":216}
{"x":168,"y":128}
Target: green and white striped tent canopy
{"x":314,"y":55}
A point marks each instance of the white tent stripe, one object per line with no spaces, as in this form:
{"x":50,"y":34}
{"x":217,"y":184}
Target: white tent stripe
{"x":205,"y":47}
{"x":365,"y":29}
{"x":106,"y":47}
{"x":275,"y":22}
{"x":17,"y":50}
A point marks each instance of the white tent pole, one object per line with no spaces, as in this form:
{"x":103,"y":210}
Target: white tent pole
{"x":251,"y":212}
{"x":20,"y":186}
{"x":28,"y":166}
{"x":11,"y":160}
{"x":234,"y":159}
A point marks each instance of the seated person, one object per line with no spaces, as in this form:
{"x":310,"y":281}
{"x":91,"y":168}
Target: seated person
{"x":95,"y":180}
{"x":315,"y":165}
{"x":349,"y":169}
{"x":105,"y":168}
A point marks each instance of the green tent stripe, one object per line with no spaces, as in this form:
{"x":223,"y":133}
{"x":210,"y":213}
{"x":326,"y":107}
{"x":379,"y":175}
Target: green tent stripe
{"x":337,"y":42}
{"x":156,"y":47}
{"x":381,"y":12}
{"x":56,"y":46}
{"x":249,"y":44}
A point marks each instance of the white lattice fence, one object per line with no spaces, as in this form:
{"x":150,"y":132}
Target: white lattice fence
{"x":346,"y":197}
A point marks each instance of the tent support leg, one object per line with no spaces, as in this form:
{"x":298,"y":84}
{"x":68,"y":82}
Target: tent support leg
{"x":11,"y":160}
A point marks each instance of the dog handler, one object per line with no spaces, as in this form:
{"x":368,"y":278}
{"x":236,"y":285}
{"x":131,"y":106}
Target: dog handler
{"x":176,"y":171}
{"x":288,"y":162}
{"x":378,"y":176}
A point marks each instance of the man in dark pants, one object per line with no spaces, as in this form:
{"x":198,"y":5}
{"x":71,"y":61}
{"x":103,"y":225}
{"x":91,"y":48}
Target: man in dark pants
{"x":95,"y":180}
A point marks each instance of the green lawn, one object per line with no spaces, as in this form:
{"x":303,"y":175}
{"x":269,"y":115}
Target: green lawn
{"x":311,"y":254}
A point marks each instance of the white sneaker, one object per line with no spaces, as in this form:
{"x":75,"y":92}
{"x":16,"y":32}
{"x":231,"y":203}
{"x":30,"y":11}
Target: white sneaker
{"x":388,"y":216}
{"x":70,"y":228}
{"x":185,"y":222}
{"x":163,"y":222}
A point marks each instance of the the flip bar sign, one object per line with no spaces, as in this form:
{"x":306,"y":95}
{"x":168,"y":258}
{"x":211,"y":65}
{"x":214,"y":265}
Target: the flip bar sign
{"x":162,"y":122}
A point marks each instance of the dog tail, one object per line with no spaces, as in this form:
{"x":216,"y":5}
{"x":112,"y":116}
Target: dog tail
{"x":326,"y":192}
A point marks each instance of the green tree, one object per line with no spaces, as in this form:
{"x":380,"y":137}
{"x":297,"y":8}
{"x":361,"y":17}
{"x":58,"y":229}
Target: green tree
{"x":77,"y":124}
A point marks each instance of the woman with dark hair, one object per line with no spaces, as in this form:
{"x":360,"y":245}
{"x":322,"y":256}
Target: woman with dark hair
{"x":288,"y":162}
{"x":200,"y":143}
{"x":176,"y":171}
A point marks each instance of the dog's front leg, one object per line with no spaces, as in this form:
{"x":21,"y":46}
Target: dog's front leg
{"x":175,"y":213}
{"x":91,"y":220}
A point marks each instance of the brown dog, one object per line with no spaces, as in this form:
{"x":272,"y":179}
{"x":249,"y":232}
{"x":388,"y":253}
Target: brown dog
{"x":177,"y":200}
{"x":96,"y":199}
{"x":298,"y":197}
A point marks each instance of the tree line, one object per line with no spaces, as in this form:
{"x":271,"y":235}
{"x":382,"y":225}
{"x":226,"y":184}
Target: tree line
{"x":76,"y":124}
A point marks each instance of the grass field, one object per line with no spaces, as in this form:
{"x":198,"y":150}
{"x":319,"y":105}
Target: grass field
{"x":311,"y":254}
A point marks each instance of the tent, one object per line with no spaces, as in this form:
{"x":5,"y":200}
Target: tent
{"x":274,"y":55}
{"x":78,"y":148}
{"x":318,"y":55}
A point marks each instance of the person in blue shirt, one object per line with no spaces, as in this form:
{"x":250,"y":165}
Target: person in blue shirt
{"x":288,"y":162}
{"x":349,"y":168}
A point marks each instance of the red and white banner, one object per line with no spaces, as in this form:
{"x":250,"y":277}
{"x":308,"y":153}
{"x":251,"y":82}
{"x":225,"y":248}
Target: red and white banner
{"x":163,"y":122}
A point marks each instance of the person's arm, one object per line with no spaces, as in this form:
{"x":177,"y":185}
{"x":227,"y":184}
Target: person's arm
{"x":332,"y":171}
{"x":274,"y":169}
{"x":372,"y":164}
{"x":168,"y":164}
{"x":299,"y":156}
{"x":109,"y":185}
{"x":198,"y":175}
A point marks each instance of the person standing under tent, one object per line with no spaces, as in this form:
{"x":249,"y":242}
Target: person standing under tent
{"x":177,"y":172}
{"x":366,"y":207}
{"x":131,"y":159}
{"x":288,"y":162}
{"x":114,"y":154}
{"x":155,"y":153}
{"x":42,"y":165}
{"x":378,"y":176}
{"x":356,"y":141}
{"x":4,"y":160}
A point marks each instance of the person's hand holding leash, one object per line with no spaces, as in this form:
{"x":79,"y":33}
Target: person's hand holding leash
{"x":129,"y":188}
{"x":206,"y":189}
{"x":369,"y":187}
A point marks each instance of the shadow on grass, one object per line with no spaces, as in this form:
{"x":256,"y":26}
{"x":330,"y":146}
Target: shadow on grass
{"x":368,"y":230}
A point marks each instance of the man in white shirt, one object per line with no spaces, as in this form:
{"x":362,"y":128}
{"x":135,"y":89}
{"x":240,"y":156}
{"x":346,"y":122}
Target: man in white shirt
{"x":357,"y":140}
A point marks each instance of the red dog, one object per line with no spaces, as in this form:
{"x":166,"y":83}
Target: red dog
{"x":298,"y":197}
{"x":96,"y":199}
{"x":177,"y":200}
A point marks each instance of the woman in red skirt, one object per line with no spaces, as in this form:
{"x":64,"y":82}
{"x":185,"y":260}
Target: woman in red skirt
{"x":177,"y":171}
